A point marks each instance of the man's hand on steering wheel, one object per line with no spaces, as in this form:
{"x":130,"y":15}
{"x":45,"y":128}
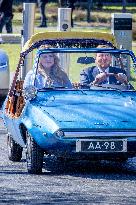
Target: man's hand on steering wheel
{"x":100,"y":78}
{"x":122,"y":78}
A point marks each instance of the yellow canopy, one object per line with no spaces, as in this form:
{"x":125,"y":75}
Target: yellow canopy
{"x":68,"y":35}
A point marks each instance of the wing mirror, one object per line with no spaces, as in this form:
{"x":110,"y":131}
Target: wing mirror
{"x":30,"y":92}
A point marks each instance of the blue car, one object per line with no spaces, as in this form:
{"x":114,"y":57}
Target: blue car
{"x":76,"y":121}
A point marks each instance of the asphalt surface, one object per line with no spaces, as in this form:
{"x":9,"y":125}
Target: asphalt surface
{"x":70,"y":183}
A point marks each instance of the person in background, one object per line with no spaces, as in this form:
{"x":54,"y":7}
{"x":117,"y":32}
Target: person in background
{"x":42,"y":4}
{"x":71,"y":5}
{"x":49,"y":73}
{"x":6,"y":15}
{"x":103,"y":72}
{"x":68,"y":4}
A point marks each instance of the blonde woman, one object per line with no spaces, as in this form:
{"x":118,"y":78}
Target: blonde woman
{"x":48,"y":73}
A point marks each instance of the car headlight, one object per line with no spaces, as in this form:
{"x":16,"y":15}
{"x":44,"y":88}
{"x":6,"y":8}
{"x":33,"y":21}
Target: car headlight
{"x":30,"y":92}
{"x":60,"y":133}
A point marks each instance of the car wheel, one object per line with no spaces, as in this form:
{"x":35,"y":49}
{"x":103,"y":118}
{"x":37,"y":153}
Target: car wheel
{"x":34,"y":155}
{"x":14,"y":150}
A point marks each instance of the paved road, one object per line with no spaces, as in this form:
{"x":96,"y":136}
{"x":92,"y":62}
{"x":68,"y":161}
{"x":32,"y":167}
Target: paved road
{"x":73,"y":183}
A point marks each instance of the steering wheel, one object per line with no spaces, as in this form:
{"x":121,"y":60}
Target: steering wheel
{"x":122,"y":78}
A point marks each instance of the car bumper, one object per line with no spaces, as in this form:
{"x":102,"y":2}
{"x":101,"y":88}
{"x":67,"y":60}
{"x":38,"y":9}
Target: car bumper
{"x":68,"y":149}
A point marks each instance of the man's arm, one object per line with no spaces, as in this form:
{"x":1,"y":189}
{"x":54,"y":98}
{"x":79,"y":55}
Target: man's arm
{"x":86,"y":76}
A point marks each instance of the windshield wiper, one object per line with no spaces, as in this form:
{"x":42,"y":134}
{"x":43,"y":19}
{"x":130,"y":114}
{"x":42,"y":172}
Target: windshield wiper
{"x":113,"y":87}
{"x":52,"y":88}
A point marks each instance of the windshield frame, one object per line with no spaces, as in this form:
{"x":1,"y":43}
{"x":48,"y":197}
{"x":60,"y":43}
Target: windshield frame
{"x":87,"y":50}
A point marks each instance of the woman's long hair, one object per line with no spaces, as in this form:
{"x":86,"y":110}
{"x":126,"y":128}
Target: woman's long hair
{"x":56,"y":70}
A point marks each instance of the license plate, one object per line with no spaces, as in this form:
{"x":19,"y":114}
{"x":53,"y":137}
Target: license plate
{"x":101,"y":145}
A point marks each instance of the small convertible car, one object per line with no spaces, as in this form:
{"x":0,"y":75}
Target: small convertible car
{"x":84,"y":121}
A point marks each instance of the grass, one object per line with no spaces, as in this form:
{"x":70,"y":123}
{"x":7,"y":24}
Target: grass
{"x":79,"y":14}
{"x":13,"y":51}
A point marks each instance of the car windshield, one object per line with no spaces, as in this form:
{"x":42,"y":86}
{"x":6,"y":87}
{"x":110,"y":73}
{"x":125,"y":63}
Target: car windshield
{"x":84,"y":69}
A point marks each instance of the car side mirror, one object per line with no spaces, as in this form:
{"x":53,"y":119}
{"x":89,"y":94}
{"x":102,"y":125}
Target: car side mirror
{"x":30,"y":92}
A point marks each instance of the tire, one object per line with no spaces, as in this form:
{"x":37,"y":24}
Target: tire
{"x":14,"y":150}
{"x":34,"y":155}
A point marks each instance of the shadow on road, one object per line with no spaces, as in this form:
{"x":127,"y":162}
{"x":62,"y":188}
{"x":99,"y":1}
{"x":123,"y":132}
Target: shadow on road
{"x":99,"y":169}
{"x":85,"y":169}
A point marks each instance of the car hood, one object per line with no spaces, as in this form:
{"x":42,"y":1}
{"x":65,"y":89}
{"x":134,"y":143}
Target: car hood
{"x":88,"y":109}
